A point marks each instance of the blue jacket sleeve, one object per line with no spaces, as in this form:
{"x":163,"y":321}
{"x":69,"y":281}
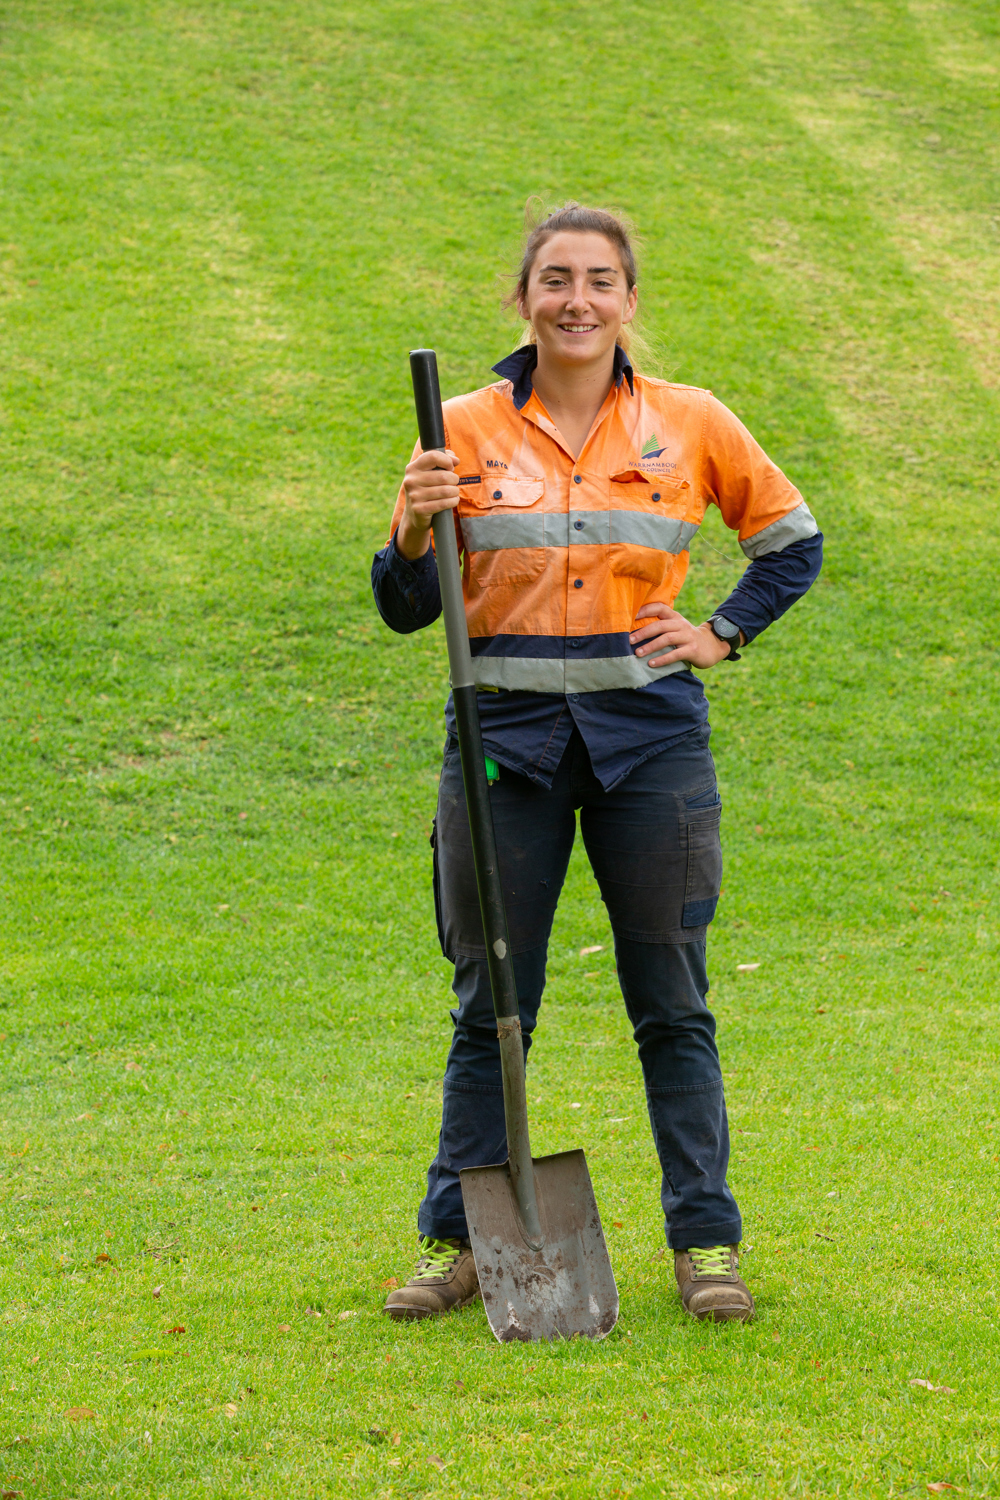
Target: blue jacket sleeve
{"x":407,"y":594}
{"x":772,"y":584}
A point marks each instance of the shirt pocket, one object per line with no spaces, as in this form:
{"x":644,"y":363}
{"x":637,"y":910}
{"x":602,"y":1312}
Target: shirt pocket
{"x":484,"y":491}
{"x":647,"y":524}
{"x":505,"y":545}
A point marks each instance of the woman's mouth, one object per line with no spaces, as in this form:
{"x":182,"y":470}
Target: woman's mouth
{"x":578,"y":327}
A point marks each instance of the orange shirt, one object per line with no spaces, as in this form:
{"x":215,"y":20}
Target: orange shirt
{"x":560,"y":554}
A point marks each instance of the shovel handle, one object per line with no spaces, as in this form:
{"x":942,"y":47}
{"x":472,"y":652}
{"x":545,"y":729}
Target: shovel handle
{"x":430,"y":420}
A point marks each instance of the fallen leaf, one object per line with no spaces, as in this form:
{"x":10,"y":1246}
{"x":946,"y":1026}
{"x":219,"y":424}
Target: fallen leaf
{"x":312,"y":1313}
{"x":80,"y":1414}
{"x":939,"y":1485}
{"x":645,"y":1418}
{"x":596,"y":948}
{"x":944,"y":1390}
{"x":821,"y":1010}
{"x":255,"y":1208}
{"x":178,"y":1329}
{"x":133,"y":1067}
{"x":11,"y":1494}
{"x":593,"y":974}
{"x":230,"y":1408}
{"x":617,"y":1224}
{"x":438,"y":1463}
{"x":746,"y":968}
{"x":102,"y":1256}
{"x":284,"y":1327}
{"x":409,"y":1096}
{"x":812,"y":1148}
{"x":157,"y":1290}
{"x":391,"y":1282}
{"x":525,"y":1437}
{"x":350,"y":1313}
{"x":395,"y":1440}
{"x":376,"y":1435}
{"x":576,"y":1106}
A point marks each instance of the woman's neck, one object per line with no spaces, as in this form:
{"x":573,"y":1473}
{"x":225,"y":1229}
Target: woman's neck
{"x":573,"y":394}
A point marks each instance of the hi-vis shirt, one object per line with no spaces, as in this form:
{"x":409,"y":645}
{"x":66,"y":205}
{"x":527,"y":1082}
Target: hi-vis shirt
{"x":560,"y":554}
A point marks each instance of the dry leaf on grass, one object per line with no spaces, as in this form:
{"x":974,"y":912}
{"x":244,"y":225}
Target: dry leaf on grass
{"x":391,"y":1282}
{"x":595,"y":948}
{"x":157,"y":1290}
{"x":438,"y":1463}
{"x":230,"y":1408}
{"x":284,"y":1327}
{"x":102,"y":1257}
{"x":80,"y":1413}
{"x":939,"y":1485}
{"x":350,"y":1313}
{"x":11,"y":1494}
{"x":746,"y":968}
{"x":928,"y":1385}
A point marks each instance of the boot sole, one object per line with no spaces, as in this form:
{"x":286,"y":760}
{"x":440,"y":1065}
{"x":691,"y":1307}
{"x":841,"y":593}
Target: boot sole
{"x":736,"y":1314}
{"x":405,"y":1314}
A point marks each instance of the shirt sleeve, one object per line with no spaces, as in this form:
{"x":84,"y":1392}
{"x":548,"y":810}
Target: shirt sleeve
{"x":776,"y":528}
{"x":407,"y":594}
{"x":772,"y":584}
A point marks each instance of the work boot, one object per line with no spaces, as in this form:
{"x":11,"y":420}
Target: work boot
{"x":711,"y":1286}
{"x":445,"y":1277}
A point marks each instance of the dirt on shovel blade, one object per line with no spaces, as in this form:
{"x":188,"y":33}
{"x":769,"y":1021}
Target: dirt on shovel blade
{"x":565,"y":1288}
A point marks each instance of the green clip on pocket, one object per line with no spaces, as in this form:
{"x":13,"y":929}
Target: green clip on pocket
{"x":492,"y":771}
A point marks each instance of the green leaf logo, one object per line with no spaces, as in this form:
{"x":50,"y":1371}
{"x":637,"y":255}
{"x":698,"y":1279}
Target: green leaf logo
{"x":651,"y":445}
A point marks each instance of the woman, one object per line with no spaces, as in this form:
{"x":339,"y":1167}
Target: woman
{"x":577,"y":485}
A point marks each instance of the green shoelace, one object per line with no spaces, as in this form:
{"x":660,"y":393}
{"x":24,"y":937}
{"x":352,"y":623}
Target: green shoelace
{"x":711,"y":1262}
{"x":436,"y":1258}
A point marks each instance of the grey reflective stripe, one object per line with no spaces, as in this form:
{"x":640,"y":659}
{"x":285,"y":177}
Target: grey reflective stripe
{"x":794,"y":527}
{"x":581,"y":528}
{"x":535,"y":674}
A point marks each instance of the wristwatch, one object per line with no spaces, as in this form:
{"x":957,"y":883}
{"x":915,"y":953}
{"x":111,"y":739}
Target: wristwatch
{"x":728,"y":633}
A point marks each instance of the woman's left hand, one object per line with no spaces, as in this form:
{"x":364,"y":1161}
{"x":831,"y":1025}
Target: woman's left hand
{"x":676,"y":639}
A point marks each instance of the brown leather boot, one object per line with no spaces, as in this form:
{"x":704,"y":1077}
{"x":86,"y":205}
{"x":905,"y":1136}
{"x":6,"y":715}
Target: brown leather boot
{"x":445,"y":1278}
{"x":711,"y":1286}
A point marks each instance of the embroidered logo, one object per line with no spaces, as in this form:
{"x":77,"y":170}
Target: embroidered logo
{"x":651,"y":447}
{"x":495,"y":463}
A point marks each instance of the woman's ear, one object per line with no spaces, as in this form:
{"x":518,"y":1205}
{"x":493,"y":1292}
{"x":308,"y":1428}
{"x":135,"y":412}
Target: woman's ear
{"x":631,"y":302}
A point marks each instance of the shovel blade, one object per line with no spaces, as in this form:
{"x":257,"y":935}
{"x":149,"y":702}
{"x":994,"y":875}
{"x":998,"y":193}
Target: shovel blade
{"x":565,"y":1288}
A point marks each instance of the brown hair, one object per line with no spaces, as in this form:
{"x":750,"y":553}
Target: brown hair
{"x":540,"y":224}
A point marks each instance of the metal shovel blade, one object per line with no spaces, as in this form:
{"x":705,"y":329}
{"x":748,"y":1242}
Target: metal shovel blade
{"x":566,"y":1287}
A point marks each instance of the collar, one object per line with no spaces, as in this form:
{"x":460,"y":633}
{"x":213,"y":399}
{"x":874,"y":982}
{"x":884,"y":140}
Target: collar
{"x":518,"y":368}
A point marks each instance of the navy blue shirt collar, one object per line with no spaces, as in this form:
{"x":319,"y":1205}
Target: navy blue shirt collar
{"x":519,"y":366}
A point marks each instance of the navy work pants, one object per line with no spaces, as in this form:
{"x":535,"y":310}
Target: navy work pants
{"x":653,"y":843}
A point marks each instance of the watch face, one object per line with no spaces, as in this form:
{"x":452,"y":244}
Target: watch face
{"x":725,"y":628}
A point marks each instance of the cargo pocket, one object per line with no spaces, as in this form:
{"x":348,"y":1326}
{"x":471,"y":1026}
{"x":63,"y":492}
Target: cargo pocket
{"x":436,"y":878}
{"x":703,"y":817}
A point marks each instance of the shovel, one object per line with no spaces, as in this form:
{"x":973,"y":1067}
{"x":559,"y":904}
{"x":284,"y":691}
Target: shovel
{"x":536,"y":1235}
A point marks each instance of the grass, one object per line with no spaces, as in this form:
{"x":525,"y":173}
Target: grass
{"x":222,"y":1012}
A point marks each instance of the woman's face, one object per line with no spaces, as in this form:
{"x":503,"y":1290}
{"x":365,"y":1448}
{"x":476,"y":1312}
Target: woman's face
{"x":578,"y":297}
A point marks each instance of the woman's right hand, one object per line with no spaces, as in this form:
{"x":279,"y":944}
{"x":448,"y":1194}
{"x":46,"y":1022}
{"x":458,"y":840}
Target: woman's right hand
{"x":429,"y":485}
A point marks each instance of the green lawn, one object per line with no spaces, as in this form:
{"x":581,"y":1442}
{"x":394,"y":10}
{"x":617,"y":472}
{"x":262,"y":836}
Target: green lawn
{"x":223,"y":1014}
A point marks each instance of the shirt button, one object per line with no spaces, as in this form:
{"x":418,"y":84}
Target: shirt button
{"x":498,"y":495}
{"x":656,"y":497}
{"x":575,"y":645}
{"x":577,"y":478}
{"x":577,"y":525}
{"x":578,"y":583}
{"x":573,"y":697}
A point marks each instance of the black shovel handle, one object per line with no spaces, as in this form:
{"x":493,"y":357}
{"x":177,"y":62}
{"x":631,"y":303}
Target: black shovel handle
{"x":430,"y":420}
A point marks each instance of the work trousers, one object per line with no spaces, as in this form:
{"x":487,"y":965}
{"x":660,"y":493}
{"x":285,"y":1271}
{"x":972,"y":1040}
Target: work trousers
{"x":653,"y":842}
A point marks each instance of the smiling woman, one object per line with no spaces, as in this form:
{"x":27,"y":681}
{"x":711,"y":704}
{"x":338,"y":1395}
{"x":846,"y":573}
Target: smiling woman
{"x":577,"y":484}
